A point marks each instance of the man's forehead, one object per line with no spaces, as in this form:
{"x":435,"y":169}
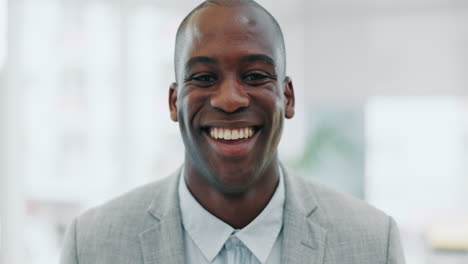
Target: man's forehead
{"x":215,"y":20}
{"x":241,"y":25}
{"x":244,"y":59}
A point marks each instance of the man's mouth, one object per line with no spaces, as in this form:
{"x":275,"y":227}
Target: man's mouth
{"x":231,"y":134}
{"x":232,"y":141}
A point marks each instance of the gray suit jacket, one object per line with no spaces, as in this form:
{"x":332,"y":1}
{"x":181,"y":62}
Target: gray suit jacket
{"x":321,"y":226}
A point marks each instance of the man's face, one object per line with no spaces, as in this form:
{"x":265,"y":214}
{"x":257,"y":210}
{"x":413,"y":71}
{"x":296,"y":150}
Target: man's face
{"x":232,"y":96}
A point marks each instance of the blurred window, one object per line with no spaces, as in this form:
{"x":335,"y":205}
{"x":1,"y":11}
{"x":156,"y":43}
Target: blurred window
{"x":3,"y":32}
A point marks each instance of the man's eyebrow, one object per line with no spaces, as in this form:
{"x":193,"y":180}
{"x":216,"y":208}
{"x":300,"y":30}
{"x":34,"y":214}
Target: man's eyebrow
{"x":259,"y":57}
{"x":200,"y":59}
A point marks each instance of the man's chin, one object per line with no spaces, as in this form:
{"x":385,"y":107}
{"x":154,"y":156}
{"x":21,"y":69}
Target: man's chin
{"x":233,"y":184}
{"x":234,"y":190}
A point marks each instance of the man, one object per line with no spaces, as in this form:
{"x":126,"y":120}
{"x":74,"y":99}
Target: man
{"x":232,"y":201}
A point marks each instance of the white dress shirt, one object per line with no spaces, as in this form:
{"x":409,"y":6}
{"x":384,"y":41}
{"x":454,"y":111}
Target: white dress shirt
{"x":207,"y":239}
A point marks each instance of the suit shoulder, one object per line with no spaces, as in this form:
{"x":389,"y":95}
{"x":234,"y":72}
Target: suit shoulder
{"x":126,"y":214}
{"x":356,"y":231}
{"x":342,"y":209}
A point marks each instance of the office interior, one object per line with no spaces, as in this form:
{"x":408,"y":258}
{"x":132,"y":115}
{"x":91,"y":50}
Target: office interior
{"x":381,"y":111}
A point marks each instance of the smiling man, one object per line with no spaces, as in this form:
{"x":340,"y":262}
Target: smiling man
{"x":232,"y":201}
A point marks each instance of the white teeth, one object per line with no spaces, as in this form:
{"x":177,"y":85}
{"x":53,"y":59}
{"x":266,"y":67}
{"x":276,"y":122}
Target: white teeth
{"x":231,"y":134}
{"x":227,"y":134}
{"x":235,"y":134}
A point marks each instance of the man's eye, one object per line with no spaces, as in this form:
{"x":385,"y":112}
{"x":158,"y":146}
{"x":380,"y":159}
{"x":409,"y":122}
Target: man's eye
{"x":255,"y":77}
{"x":203,"y":78}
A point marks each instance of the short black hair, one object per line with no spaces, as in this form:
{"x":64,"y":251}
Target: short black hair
{"x":226,"y":3}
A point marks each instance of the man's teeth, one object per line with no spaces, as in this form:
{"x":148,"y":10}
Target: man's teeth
{"x":231,"y":134}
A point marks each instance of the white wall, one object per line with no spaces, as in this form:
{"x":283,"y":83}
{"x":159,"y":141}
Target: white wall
{"x":12,"y":210}
{"x":401,"y":48}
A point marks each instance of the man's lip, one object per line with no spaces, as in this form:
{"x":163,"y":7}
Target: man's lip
{"x":230,"y":124}
{"x":233,"y":148}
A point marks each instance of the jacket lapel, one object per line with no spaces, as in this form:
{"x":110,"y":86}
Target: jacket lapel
{"x":303,"y":239}
{"x":163,"y":242}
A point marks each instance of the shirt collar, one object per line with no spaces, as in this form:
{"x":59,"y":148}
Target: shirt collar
{"x":210,"y":233}
{"x":260,"y":235}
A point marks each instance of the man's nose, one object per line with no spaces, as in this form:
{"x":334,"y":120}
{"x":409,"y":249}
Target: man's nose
{"x":230,"y":96}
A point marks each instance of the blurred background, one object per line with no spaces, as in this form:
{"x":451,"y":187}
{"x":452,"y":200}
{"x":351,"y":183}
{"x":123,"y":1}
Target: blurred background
{"x":382,"y":111}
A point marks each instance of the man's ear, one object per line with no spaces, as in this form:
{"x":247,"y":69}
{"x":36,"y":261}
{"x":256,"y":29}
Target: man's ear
{"x":289,"y":98}
{"x":173,"y":101}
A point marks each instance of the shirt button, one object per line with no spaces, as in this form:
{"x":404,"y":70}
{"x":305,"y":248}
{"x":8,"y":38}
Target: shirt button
{"x":234,"y":240}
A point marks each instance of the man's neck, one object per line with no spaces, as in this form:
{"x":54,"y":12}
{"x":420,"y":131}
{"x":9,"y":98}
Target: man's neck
{"x":236,"y":210}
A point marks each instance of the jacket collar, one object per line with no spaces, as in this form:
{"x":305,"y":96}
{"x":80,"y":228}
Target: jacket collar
{"x":303,"y":239}
{"x":163,"y":242}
